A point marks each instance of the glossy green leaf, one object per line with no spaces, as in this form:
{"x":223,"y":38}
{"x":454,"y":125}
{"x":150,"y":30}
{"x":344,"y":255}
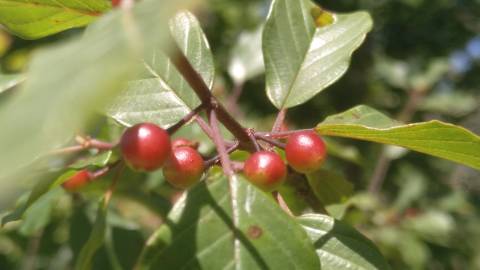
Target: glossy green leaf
{"x":8,"y":81}
{"x":434,"y":138}
{"x":60,"y":97}
{"x":340,"y":246}
{"x":201,"y":234}
{"x":95,"y":240}
{"x":301,"y":59}
{"x":331,"y":189}
{"x":35,"y":19}
{"x":160,"y":94}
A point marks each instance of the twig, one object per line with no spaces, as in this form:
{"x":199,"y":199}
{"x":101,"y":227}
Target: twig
{"x":216,"y":158}
{"x":204,"y":126}
{"x":251,"y":134}
{"x":84,"y":143}
{"x":203,"y":92}
{"x":270,"y":141}
{"x":111,"y":188}
{"x":218,"y":140}
{"x":281,"y":202}
{"x":185,"y":119}
{"x":277,"y":126}
{"x":232,"y":103}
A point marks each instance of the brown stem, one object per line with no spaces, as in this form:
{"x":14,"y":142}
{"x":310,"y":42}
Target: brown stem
{"x":221,"y":148}
{"x":203,"y":92}
{"x":277,"y":126}
{"x":84,"y":143}
{"x":214,"y":160}
{"x":232,"y":102}
{"x":111,"y":188}
{"x":281,"y":202}
{"x":270,"y":141}
{"x":204,"y":126}
{"x":185,"y":119}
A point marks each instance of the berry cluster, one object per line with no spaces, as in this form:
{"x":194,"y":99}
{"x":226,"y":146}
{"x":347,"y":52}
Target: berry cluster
{"x":147,"y":147}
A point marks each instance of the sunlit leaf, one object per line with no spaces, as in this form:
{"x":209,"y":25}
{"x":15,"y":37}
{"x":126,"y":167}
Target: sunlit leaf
{"x":434,"y":138}
{"x":301,"y":59}
{"x":340,"y":246}
{"x":201,"y":234}
{"x":161,"y":95}
{"x":35,"y":19}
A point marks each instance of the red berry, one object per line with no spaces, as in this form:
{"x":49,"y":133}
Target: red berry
{"x":184,"y":142}
{"x":116,"y":3}
{"x":266,"y":170}
{"x":305,"y":151}
{"x":184,"y":168}
{"x":77,"y":181}
{"x":145,"y":146}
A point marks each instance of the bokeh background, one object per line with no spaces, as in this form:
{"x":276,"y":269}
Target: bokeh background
{"x":420,"y":62}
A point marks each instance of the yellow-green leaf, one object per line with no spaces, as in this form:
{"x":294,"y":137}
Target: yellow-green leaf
{"x":435,"y":138}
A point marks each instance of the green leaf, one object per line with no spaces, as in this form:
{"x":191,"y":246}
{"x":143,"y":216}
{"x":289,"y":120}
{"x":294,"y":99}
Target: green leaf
{"x":8,"y":81}
{"x":100,"y":160}
{"x":301,"y":59}
{"x":35,"y":19}
{"x":434,"y":137}
{"x":39,"y":213}
{"x":95,"y":240}
{"x":45,"y":184}
{"x":201,"y":233}
{"x":340,"y":246}
{"x":60,"y":97}
{"x":330,"y":188}
{"x":161,"y":95}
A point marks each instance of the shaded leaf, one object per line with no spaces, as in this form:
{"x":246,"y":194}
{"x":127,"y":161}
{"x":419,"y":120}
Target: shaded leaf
{"x":95,"y":240}
{"x":340,"y":246}
{"x":435,"y":138}
{"x":301,"y":59}
{"x":330,"y":188}
{"x":46,"y":183}
{"x":161,"y":95}
{"x":201,"y":234}
{"x":40,"y":18}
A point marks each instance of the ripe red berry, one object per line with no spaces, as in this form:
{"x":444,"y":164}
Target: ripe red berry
{"x":184,"y":142}
{"x":116,"y":3}
{"x":77,"y":181}
{"x":305,"y":151}
{"x":266,"y":170}
{"x":184,"y":167}
{"x":145,"y":146}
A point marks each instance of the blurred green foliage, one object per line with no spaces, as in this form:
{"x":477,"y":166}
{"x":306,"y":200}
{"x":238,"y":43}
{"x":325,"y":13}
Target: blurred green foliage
{"x":426,"y":214}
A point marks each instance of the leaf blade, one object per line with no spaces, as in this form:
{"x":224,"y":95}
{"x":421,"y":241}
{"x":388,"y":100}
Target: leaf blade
{"x":32,"y":20}
{"x":434,"y":137}
{"x":301,"y":59}
{"x":341,"y":247}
